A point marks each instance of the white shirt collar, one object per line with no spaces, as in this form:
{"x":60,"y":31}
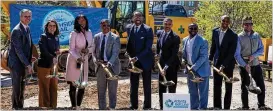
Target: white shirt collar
{"x":25,"y":26}
{"x":167,"y":32}
{"x":107,"y":34}
{"x":223,"y":31}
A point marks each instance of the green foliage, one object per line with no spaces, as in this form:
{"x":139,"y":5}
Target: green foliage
{"x":209,"y":14}
{"x":50,"y":3}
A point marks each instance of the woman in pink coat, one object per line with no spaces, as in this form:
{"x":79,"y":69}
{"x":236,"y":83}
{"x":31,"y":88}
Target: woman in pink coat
{"x":80,"y":45}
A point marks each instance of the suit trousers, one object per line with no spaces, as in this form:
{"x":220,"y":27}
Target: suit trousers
{"x":171,"y":75}
{"x":217,"y":92}
{"x":257,"y":74}
{"x":48,"y":88}
{"x":198,"y":93}
{"x":134,"y":83}
{"x":102,"y":84}
{"x":18,"y":86}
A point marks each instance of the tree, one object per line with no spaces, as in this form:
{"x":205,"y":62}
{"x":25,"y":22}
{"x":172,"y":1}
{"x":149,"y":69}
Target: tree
{"x":209,"y":13}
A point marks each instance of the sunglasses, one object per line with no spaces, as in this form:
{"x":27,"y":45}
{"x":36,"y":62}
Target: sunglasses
{"x":193,"y":28}
{"x":105,"y":25}
{"x":248,"y":24}
{"x":225,"y":21}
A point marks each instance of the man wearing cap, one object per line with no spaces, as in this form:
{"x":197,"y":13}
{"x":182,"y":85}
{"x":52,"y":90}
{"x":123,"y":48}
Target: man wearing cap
{"x":249,"y":48}
{"x":223,"y":47}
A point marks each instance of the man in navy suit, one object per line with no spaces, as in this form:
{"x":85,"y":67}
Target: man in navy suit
{"x":19,"y":58}
{"x":167,"y":48}
{"x":139,"y":47}
{"x":223,"y":47}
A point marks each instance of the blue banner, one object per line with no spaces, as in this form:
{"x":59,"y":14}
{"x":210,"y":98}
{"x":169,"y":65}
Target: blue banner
{"x":64,"y":16}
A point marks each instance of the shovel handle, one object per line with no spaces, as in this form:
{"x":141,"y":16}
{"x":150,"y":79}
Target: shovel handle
{"x":160,"y":69}
{"x":221,"y":73}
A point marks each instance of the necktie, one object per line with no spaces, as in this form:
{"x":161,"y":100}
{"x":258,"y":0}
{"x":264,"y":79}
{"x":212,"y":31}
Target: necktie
{"x":28,"y":35}
{"x":163,"y":39}
{"x":102,"y":48}
{"x":136,"y":29}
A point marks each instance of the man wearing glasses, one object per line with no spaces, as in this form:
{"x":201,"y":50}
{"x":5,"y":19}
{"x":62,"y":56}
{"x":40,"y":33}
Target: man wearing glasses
{"x":195,"y":55}
{"x":167,"y":49}
{"x":223,"y":47}
{"x":249,"y":48}
{"x":107,"y":46}
{"x":19,"y":58}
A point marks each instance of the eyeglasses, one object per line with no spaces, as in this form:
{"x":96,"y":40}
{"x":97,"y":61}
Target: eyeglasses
{"x":27,"y":16}
{"x":193,"y":28}
{"x":52,"y":25}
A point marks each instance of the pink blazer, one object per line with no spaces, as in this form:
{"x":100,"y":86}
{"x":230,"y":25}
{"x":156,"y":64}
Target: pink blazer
{"x":76,"y":44}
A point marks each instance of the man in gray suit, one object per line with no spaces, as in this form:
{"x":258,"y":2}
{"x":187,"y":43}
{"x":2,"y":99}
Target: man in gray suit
{"x":107,"y":46}
{"x":19,"y":58}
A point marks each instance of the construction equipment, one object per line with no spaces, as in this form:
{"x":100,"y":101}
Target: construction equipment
{"x":228,"y":80}
{"x":164,"y":82}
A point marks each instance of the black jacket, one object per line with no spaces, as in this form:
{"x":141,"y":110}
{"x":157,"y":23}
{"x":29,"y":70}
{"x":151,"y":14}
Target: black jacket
{"x":169,"y":49}
{"x":223,"y":54}
{"x":48,"y":45}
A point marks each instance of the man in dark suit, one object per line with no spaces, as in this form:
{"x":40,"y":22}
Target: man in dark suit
{"x":139,"y":47}
{"x":223,"y":47}
{"x":19,"y":59}
{"x":167,"y":48}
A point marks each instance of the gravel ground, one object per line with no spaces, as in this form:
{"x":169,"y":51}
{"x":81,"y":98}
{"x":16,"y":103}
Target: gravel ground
{"x":90,"y":98}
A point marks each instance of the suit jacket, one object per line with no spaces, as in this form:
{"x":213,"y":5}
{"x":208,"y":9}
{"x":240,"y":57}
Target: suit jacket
{"x":20,"y":52}
{"x":199,"y":55}
{"x":112,"y":51}
{"x":140,"y":45}
{"x":77,"y":42}
{"x":169,"y":49}
{"x":48,"y":45}
{"x":223,"y":54}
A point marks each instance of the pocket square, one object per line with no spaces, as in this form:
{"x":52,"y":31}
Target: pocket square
{"x":141,"y":37}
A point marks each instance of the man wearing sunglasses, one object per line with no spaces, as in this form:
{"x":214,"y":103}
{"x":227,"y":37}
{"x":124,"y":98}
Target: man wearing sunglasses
{"x":107,"y":46}
{"x":139,"y":47}
{"x":223,"y":47}
{"x":20,"y":57}
{"x":167,"y":49}
{"x":249,"y":48}
{"x":195,"y":54}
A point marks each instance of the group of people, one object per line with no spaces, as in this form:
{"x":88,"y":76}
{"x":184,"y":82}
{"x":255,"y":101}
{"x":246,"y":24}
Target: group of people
{"x":227,"y":48}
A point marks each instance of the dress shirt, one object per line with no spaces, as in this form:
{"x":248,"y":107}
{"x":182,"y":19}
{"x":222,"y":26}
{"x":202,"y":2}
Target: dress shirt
{"x":189,"y":46}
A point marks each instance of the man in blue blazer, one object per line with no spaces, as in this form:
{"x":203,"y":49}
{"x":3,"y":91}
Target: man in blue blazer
{"x":19,"y":58}
{"x":139,"y":47}
{"x":195,"y":54}
{"x":223,"y":47}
